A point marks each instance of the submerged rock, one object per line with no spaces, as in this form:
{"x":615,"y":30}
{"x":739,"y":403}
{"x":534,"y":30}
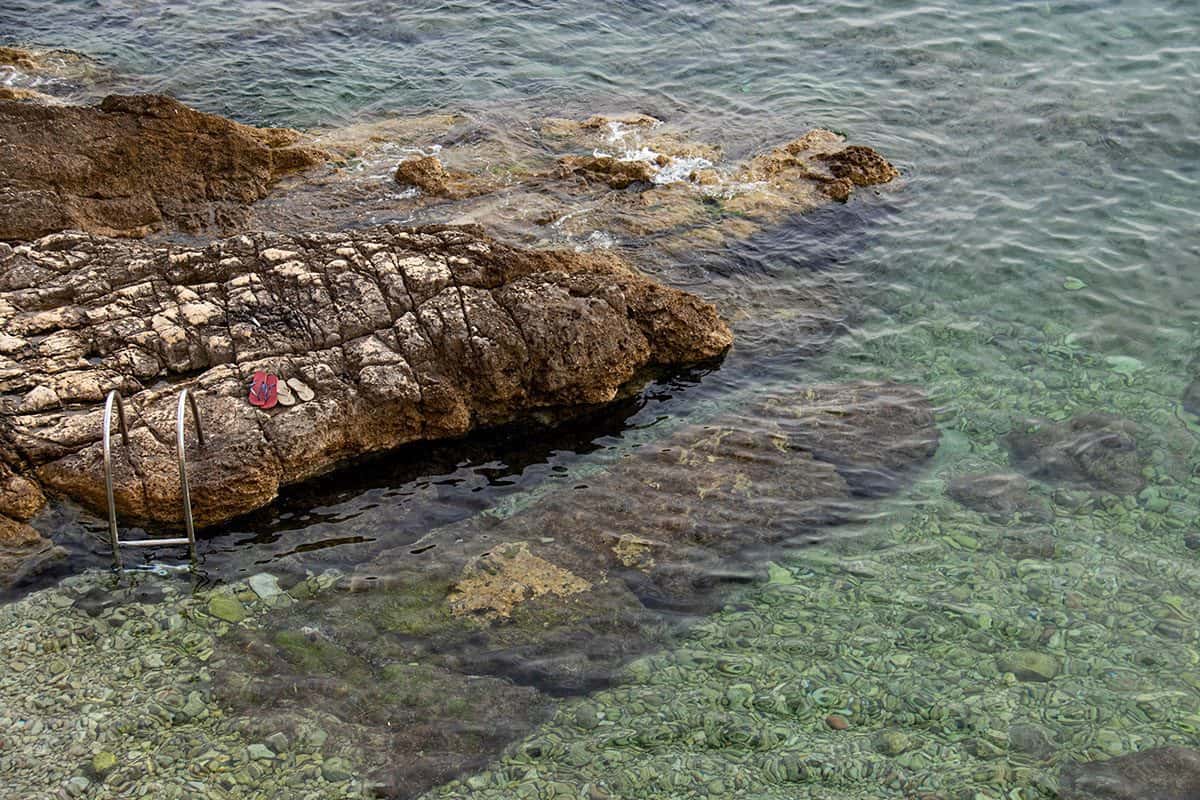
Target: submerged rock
{"x":133,"y":164}
{"x":1029,"y":665}
{"x":560,"y":592}
{"x":999,"y":495}
{"x":1161,"y":773}
{"x":1099,"y":451}
{"x":427,"y":174}
{"x":871,"y":431}
{"x":385,"y":336}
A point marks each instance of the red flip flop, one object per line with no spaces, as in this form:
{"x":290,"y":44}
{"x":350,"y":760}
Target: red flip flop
{"x":258,"y":389}
{"x":264,"y":390}
{"x":270,"y":392}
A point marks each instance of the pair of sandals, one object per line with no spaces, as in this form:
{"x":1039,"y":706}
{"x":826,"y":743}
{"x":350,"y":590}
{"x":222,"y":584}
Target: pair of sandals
{"x":264,"y":390}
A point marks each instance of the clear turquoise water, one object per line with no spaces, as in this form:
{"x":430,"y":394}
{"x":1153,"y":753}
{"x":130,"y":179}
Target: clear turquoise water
{"x":1037,"y":259}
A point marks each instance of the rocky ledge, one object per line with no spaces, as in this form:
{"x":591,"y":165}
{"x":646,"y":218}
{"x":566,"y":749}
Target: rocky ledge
{"x":132,"y":164}
{"x":382,"y":337}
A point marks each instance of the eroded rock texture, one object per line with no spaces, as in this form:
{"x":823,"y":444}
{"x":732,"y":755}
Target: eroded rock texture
{"x":396,"y":336}
{"x":132,"y":164}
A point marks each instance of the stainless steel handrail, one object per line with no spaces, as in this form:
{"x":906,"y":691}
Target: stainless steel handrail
{"x":113,"y":396}
{"x":186,"y":399}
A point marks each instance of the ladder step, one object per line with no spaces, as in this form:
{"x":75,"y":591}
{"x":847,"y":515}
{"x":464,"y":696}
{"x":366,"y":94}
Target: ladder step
{"x":152,"y":542}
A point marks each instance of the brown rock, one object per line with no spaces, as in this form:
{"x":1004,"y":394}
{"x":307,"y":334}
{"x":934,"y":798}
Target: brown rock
{"x":616,"y":173}
{"x":494,"y":583}
{"x":397,"y":336}
{"x":20,"y":498}
{"x":131,"y":165}
{"x":860,"y":165}
{"x":23,"y":552}
{"x":838,"y":723}
{"x":426,"y":173}
{"x":434,"y":180}
{"x":24,"y":60}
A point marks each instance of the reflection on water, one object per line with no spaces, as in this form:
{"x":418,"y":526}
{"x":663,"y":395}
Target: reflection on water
{"x":1028,"y":601}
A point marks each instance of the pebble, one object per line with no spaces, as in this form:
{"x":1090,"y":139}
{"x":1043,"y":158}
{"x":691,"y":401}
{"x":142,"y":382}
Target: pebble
{"x":837,"y":722}
{"x":1029,"y":665}
{"x":226,"y":607}
{"x":336,"y":769}
{"x":266,"y":586}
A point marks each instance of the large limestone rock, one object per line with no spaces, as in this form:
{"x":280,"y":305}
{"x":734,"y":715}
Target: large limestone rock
{"x":132,"y":165}
{"x":385,"y":336}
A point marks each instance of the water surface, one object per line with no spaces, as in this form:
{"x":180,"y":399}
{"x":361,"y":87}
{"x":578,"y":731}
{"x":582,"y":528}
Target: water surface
{"x":1035,"y":260}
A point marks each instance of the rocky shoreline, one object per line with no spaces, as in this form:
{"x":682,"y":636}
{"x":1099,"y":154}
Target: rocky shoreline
{"x":154,"y":248}
{"x":408,"y":334}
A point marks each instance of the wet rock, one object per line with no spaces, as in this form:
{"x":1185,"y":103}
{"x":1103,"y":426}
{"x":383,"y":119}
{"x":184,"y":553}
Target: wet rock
{"x":617,"y":173}
{"x":103,"y":763}
{"x":999,"y":495}
{"x":663,"y":530}
{"x":1162,"y":773}
{"x":836,"y":722}
{"x":20,"y":498}
{"x":24,"y":552}
{"x":860,"y":165}
{"x":629,"y":176}
{"x":809,"y":169}
{"x":95,"y":601}
{"x":495,"y":582}
{"x":336,"y":770}
{"x":1036,"y":543}
{"x":1029,"y":665}
{"x":892,"y":742}
{"x":405,"y":335}
{"x":1099,"y":451}
{"x":427,"y":174}
{"x":266,"y":586}
{"x":1191,"y":398}
{"x":132,"y":165}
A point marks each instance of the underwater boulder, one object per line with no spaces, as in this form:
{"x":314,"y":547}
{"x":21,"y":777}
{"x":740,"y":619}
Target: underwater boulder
{"x":871,"y":431}
{"x":1098,"y":451}
{"x":1161,"y":773}
{"x":999,"y":495}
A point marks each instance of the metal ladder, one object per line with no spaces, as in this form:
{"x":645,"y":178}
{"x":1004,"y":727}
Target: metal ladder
{"x":185,"y":399}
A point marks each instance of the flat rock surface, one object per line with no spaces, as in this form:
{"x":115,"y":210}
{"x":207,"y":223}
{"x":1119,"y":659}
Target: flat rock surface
{"x":384,"y":336}
{"x":133,"y":164}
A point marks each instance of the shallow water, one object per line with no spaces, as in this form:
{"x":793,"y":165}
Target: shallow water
{"x":1034,"y":261}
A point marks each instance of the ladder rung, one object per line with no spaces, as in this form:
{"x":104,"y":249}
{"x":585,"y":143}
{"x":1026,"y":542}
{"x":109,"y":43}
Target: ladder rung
{"x":151,"y":542}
